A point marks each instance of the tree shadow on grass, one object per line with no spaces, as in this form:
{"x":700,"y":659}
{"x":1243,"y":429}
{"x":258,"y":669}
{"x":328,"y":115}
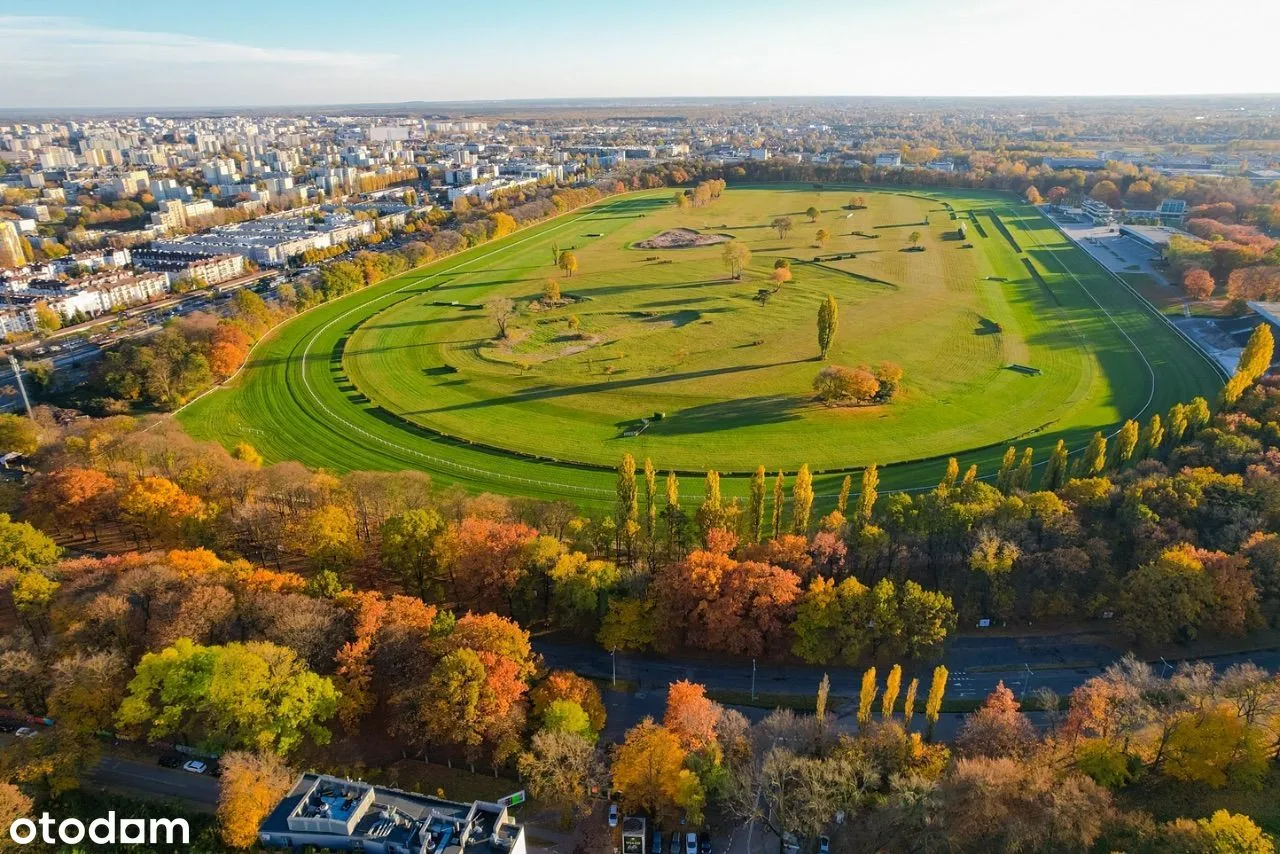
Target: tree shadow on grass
{"x":548,"y":392}
{"x":729,"y":415}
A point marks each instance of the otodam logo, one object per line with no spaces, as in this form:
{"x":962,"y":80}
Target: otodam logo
{"x":107,"y":830}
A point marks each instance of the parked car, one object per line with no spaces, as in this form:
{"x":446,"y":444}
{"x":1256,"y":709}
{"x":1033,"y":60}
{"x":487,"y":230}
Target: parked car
{"x":613,"y":815}
{"x":691,"y":843}
{"x":5,"y":726}
{"x":824,"y":845}
{"x":704,"y":843}
{"x":655,"y":845}
{"x":172,"y":760}
{"x":195,"y":766}
{"x":25,"y":732}
{"x":676,"y":843}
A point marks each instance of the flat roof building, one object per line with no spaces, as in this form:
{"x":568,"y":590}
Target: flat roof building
{"x":335,"y":814}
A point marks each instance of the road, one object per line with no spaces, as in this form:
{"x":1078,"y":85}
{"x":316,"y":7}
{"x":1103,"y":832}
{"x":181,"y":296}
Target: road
{"x":155,"y":781}
{"x":976,"y":663}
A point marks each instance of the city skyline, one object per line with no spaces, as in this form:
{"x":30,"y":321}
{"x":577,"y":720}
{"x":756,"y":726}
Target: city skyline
{"x":161,"y":56}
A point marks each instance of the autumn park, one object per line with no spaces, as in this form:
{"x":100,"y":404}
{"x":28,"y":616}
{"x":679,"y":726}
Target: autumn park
{"x":789,"y":507}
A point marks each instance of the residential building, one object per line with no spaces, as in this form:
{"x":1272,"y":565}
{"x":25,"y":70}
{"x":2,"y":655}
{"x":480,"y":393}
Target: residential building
{"x":889,"y":160}
{"x":11,"y":254}
{"x":335,"y":814}
{"x":210,"y":269}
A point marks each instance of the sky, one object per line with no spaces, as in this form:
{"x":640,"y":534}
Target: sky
{"x":168,"y":53}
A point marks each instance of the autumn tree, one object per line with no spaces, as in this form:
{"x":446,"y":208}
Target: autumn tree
{"x":561,"y":770}
{"x":914,"y":238}
{"x":782,"y":225}
{"x":893,"y":684}
{"x":501,"y":310}
{"x":1198,"y":283}
{"x":866,"y":697}
{"x":1167,"y":599}
{"x":691,"y":716}
{"x":828,"y":321}
{"x":551,"y":291}
{"x":568,"y":262}
{"x":736,"y":256}
{"x":997,"y":728}
{"x":649,"y":773}
{"x":801,"y":500}
{"x":566,"y":685}
{"x":933,"y":704}
{"x":250,"y":787}
{"x":822,"y":237}
{"x":18,"y":435}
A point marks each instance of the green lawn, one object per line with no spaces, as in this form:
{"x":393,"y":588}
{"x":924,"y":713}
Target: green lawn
{"x":397,"y":376}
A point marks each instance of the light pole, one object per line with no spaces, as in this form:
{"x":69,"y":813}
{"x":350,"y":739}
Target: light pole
{"x":17,"y":376}
{"x":1026,"y":680}
{"x":1165,"y":667}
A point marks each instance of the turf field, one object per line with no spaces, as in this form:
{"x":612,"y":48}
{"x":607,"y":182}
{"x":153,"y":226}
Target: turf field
{"x":409,"y":373}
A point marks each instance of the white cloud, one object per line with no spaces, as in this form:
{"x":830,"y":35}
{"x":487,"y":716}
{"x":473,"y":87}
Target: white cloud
{"x":55,"y":61}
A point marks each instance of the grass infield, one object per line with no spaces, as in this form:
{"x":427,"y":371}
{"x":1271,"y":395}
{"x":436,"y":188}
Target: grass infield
{"x":409,"y":373}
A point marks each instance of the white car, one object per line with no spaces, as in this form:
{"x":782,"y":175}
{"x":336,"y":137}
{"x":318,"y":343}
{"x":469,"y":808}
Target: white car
{"x":195,"y":766}
{"x":25,"y":732}
{"x":613,"y":815}
{"x":691,"y":843}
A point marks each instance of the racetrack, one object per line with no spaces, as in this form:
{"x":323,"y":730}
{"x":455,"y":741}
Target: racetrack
{"x":296,"y":399}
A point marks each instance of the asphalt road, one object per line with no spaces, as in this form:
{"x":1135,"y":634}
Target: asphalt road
{"x":155,"y":781}
{"x":976,"y":664}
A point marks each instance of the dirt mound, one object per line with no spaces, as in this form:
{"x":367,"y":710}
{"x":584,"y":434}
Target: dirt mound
{"x":681,"y":238}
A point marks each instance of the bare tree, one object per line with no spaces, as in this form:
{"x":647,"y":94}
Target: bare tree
{"x":501,"y":310}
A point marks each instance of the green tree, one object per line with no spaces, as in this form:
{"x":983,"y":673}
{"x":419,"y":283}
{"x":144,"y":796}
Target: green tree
{"x":812,"y":213}
{"x":18,"y":435}
{"x":828,"y":321}
{"x":1177,"y":426}
{"x":1022,"y":475}
{"x":568,"y":716}
{"x":1198,"y":415}
{"x":23,"y":547}
{"x":410,"y":548}
{"x":626,"y":508}
{"x":254,"y":695}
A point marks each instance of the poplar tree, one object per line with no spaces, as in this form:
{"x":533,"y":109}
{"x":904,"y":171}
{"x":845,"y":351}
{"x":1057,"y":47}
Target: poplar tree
{"x":867,"y":497}
{"x":892,"y":686}
{"x":626,"y":510}
{"x":866,"y":697}
{"x":1022,"y":477}
{"x":673,"y":511}
{"x":777,"y":505}
{"x":933,"y":706}
{"x":1198,"y":415}
{"x":711,"y":511}
{"x":756,"y":511}
{"x":1152,"y":437}
{"x":846,"y":486}
{"x":1095,"y":456}
{"x":1126,"y":442}
{"x":909,"y":705}
{"x":801,"y":500}
{"x":1055,"y":473}
{"x":1177,"y":427}
{"x":650,"y":499}
{"x":828,"y":321}
{"x":1004,"y":478}
{"x":824,"y":690}
{"x":949,"y":476}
